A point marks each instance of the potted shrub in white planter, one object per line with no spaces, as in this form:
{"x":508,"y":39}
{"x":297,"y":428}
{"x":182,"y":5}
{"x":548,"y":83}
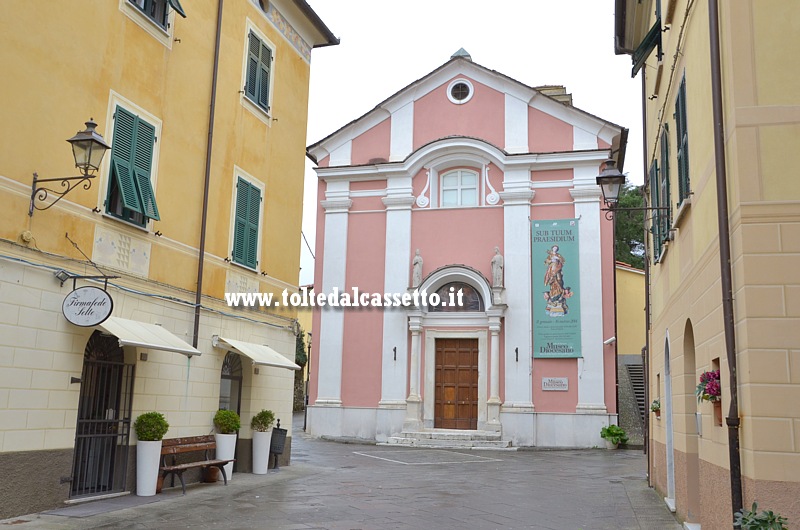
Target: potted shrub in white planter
{"x":150,"y":429}
{"x":227,"y":423}
{"x":261,"y":425}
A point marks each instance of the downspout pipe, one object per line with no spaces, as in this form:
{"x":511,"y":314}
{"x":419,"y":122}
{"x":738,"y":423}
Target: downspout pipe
{"x":207,"y":180}
{"x":726,"y":281}
{"x":646,"y":351}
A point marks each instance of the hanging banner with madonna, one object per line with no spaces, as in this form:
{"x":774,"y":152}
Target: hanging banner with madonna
{"x":556,"y":288}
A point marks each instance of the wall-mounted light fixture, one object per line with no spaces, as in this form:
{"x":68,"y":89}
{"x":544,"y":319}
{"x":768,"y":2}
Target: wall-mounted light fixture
{"x":611,"y":181}
{"x":88,"y":148}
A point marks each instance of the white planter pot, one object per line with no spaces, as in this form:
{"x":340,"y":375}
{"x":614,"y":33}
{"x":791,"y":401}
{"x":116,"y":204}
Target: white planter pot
{"x":610,"y":445}
{"x":148,"y":455}
{"x":226,"y":448}
{"x":261,"y":441}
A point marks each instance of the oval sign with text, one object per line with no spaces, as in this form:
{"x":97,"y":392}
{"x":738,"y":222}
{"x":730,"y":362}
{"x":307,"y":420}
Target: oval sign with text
{"x":87,"y":306}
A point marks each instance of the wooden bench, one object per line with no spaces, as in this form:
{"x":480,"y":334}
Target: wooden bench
{"x":172,"y":447}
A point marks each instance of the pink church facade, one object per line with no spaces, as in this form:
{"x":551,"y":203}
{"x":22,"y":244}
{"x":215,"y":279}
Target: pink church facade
{"x":462,"y":166}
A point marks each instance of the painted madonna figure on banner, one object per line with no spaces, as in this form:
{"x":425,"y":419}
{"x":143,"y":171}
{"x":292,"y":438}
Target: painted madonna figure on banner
{"x":557,"y":295}
{"x":557,"y":310}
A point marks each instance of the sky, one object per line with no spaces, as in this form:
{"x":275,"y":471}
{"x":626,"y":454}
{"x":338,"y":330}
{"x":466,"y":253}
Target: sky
{"x":385,"y":46}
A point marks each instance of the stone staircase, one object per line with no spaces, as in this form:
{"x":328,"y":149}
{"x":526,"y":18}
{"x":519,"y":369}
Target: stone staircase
{"x":450,"y":439}
{"x":636,"y":375}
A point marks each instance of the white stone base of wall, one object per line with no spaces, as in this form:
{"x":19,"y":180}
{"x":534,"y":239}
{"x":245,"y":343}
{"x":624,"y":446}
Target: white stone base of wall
{"x":522,"y":429}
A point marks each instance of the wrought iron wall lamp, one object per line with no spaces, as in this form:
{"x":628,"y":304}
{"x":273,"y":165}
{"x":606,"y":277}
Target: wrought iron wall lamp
{"x":611,"y":181}
{"x":88,"y":148}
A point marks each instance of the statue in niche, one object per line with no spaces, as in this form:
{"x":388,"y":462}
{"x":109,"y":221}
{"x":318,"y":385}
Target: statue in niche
{"x":497,"y":268}
{"x":416,"y":270}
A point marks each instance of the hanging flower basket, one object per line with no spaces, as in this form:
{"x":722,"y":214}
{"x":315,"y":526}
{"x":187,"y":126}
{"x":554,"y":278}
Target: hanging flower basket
{"x":709,"y":388}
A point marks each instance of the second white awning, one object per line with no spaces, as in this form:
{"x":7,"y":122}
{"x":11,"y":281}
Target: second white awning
{"x":260,"y":354}
{"x":143,"y":335}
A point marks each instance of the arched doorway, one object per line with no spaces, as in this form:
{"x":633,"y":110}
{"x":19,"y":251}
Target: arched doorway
{"x":102,"y":435}
{"x":230,"y":389}
{"x":455,"y":352}
{"x":456,"y":376}
{"x":669,"y":426}
{"x":693,"y":435}
{"x":230,"y":384}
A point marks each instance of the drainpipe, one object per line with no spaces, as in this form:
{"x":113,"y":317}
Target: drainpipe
{"x":725,"y":256}
{"x":209,"y":144}
{"x":646,"y":349}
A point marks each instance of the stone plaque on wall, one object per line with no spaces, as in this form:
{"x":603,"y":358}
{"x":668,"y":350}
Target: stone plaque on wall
{"x":555,"y":384}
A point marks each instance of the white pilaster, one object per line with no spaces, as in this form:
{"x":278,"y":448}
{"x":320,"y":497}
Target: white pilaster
{"x":591,"y":388}
{"x":413,"y":420}
{"x":331,"y":333}
{"x":397,"y":262}
{"x":516,"y":125}
{"x":493,"y":404}
{"x":517,"y":195}
{"x":402,"y":133}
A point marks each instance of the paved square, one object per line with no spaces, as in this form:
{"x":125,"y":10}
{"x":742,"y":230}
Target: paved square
{"x":357,"y":487}
{"x":426,"y":457}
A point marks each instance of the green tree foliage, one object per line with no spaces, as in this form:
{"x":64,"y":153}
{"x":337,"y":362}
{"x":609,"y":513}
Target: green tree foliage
{"x":300,"y":355}
{"x":630,"y":227}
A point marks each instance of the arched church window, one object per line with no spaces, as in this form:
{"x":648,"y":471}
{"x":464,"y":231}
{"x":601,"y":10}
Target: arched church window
{"x":470,"y":298}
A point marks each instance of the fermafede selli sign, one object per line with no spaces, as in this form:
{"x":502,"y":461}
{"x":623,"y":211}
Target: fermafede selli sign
{"x":87,"y":306}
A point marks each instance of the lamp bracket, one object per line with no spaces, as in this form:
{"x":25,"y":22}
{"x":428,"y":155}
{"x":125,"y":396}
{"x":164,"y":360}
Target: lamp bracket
{"x":64,"y":276}
{"x":609,"y":212}
{"x":40,"y":193}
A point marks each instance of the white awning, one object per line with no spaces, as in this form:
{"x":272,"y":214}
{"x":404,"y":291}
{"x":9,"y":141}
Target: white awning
{"x":260,"y":354}
{"x":134,"y":333}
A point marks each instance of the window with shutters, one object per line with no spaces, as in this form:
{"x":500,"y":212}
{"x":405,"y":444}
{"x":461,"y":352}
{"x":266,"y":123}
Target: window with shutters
{"x":130,"y":190}
{"x":664,"y":196}
{"x":682,"y":143}
{"x":247,"y":217}
{"x":258,"y":74}
{"x":655,"y":226}
{"x":158,"y":10}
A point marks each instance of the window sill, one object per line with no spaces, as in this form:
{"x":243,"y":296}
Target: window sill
{"x":664,"y":248}
{"x":257,"y":111}
{"x":164,"y":36}
{"x":684,"y":207}
{"x":245,"y":267}
{"x":145,"y":228}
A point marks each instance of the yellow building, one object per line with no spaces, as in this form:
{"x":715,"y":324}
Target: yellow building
{"x":630,"y":310}
{"x":205,"y":112}
{"x":727,"y":128}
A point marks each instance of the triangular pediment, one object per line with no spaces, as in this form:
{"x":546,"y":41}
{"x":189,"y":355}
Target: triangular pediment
{"x":461,"y":65}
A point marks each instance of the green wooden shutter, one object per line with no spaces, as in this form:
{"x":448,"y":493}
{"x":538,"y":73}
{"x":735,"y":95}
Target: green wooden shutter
{"x":655,"y":226}
{"x":142,"y":168}
{"x":682,"y":142}
{"x":253,"y":49}
{"x":264,"y":68}
{"x":240,"y":221}
{"x":253,"y":218}
{"x":664,"y":195}
{"x":121,"y":156}
{"x":176,"y":5}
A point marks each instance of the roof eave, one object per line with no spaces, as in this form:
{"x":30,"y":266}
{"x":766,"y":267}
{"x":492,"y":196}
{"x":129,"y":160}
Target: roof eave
{"x":319,"y":25}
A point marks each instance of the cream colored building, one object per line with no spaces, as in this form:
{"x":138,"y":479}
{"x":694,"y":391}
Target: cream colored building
{"x":197,"y":102}
{"x":691,"y":461}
